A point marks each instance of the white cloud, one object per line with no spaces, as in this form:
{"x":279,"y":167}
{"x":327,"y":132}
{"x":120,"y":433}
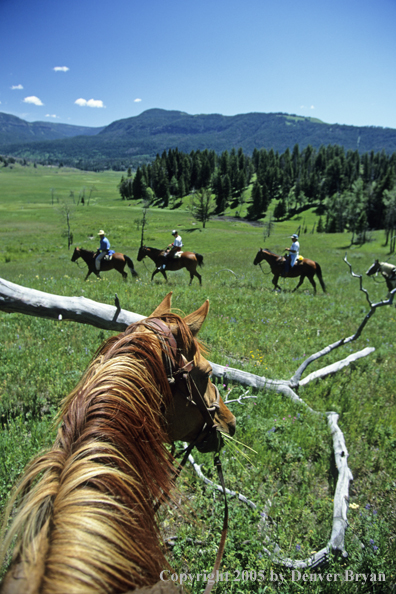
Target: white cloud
{"x":34,"y":100}
{"x":89,"y":103}
{"x":48,"y":115}
{"x":312,"y":106}
{"x":14,"y":87}
{"x":137,"y":100}
{"x":61,"y":68}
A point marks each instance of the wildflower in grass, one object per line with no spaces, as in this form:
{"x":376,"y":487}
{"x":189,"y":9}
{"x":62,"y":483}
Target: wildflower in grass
{"x":353,"y":506}
{"x":298,"y":547}
{"x":367,"y":506}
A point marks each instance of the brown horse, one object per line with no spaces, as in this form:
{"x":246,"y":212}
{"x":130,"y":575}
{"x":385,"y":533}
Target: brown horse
{"x":189,"y":260}
{"x":304,"y":268}
{"x":86,"y":517}
{"x":117,"y":262}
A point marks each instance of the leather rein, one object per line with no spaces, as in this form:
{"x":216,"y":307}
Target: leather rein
{"x":178,"y":372}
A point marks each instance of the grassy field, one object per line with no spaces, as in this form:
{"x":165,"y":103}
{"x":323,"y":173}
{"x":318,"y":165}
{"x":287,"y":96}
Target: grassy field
{"x":249,"y":327}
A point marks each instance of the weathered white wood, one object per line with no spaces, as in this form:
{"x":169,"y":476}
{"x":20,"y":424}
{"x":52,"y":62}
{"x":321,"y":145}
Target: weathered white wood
{"x":17,"y":299}
{"x":320,"y":373}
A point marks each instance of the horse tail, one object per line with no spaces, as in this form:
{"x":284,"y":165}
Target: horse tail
{"x":199,"y":258}
{"x":319,"y":275}
{"x":130,"y":265}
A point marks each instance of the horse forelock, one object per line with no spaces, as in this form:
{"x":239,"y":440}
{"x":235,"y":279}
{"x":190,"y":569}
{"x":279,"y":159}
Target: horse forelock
{"x":93,"y":493}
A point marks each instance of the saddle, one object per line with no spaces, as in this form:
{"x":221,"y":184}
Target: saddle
{"x":109,"y":255}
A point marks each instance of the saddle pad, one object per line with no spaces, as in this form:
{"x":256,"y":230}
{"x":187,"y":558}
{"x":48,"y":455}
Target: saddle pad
{"x":178,"y":254}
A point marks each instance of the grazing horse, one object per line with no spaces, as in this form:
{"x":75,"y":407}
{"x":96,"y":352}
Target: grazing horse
{"x":387,"y":270}
{"x":117,"y":262}
{"x":305,"y":268}
{"x":189,"y":260}
{"x":85,"y":521}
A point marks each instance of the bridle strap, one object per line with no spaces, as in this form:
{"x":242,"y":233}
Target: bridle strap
{"x":175,"y":378}
{"x":220,"y":550}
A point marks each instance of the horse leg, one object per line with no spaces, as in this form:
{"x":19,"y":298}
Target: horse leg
{"x":199,"y":277}
{"x":90,"y":272}
{"x":161,"y":271}
{"x":301,"y":282}
{"x":311,"y":280}
{"x":275,"y":282}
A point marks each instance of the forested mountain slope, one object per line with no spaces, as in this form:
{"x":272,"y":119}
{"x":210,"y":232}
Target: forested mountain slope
{"x":139,"y":139}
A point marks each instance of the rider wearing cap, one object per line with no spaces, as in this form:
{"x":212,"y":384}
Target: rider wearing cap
{"x":172,"y":248}
{"x":103,"y":249}
{"x":293,"y":255}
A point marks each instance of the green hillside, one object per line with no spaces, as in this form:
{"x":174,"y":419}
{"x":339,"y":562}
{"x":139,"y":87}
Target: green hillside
{"x":15,"y":130}
{"x":139,"y":139}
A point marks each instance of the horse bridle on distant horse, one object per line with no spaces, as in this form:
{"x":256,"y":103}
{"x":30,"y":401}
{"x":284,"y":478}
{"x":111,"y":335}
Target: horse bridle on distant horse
{"x":179,"y":378}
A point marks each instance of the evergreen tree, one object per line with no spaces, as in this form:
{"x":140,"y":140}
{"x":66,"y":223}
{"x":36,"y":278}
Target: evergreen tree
{"x":280,"y":210}
{"x":138,"y":186}
{"x":202,"y":206}
{"x":256,"y":208}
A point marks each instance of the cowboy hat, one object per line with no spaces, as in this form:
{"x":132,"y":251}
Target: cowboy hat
{"x":101,"y":232}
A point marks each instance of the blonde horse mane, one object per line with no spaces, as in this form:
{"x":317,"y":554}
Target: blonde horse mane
{"x":85,"y":521}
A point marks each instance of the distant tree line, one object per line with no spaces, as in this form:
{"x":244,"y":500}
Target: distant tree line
{"x":354,"y":192}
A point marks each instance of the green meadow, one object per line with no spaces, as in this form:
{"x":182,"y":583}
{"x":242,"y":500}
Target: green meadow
{"x":291,"y":474}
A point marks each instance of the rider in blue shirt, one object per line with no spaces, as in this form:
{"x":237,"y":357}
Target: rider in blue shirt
{"x":103,"y":249}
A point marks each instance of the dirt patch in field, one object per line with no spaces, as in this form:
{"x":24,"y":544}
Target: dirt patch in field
{"x":237,"y":220}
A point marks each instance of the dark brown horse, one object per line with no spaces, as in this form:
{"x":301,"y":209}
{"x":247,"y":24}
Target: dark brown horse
{"x":86,"y":520}
{"x":304,"y":268}
{"x":189,"y":260}
{"x":117,"y":262}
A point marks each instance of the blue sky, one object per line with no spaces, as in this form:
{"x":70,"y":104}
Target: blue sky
{"x":91,"y":62}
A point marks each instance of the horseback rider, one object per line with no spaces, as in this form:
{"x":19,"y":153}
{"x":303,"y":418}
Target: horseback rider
{"x":293,"y":253}
{"x":172,"y":248}
{"x":103,"y":249}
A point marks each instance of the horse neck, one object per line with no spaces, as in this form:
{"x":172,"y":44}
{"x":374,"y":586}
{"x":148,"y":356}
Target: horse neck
{"x":153,"y":253}
{"x":269,"y":256}
{"x":94,"y":503}
{"x":86,"y":255}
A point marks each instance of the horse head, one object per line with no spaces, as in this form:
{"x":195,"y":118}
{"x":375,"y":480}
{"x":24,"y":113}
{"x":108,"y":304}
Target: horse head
{"x":142,"y":253}
{"x":259,"y":257}
{"x":376,"y":267}
{"x":88,"y":524}
{"x":76,"y":254}
{"x":196,"y":402}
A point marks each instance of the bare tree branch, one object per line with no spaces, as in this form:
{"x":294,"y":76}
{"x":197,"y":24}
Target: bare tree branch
{"x":17,"y":299}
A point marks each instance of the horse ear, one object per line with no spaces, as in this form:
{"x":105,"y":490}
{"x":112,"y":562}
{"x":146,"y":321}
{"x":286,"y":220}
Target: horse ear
{"x":164,"y":307}
{"x":195,"y":320}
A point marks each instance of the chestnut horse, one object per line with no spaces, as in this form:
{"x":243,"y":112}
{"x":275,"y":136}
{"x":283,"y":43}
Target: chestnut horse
{"x":117,"y":262}
{"x":304,"y":268}
{"x":189,"y":260}
{"x":85,"y":521}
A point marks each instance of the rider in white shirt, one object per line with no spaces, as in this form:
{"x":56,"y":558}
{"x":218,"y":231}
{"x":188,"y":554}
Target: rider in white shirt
{"x":293,"y":253}
{"x":172,"y":248}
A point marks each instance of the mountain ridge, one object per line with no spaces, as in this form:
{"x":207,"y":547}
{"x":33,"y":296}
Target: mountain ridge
{"x":139,"y":138}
